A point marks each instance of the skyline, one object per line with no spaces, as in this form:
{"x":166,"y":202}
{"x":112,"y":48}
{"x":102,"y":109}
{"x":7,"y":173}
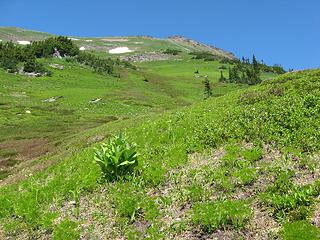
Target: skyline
{"x":283,"y":32}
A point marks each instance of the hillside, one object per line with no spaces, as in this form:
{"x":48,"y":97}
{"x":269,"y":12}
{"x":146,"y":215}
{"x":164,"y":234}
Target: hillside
{"x":135,"y":44}
{"x":217,"y":156}
{"x":211,"y":170}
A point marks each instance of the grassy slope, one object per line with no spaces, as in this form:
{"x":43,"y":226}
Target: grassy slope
{"x":19,"y":34}
{"x":171,"y":84}
{"x":244,"y":163}
{"x":101,"y":45}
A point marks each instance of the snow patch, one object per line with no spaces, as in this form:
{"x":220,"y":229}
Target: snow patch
{"x":82,"y":48}
{"x":74,"y":39}
{"x":24,"y":42}
{"x":88,"y":40}
{"x":120,"y":50}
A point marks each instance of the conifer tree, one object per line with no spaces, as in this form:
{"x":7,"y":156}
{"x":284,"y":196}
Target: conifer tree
{"x":207,"y":88}
{"x":255,"y":64}
{"x":222,"y":78}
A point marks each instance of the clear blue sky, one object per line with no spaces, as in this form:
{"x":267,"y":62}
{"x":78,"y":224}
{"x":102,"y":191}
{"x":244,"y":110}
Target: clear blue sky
{"x":277,"y":31}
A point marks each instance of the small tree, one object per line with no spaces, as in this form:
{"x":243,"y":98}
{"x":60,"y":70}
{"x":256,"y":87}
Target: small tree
{"x":255,"y":65}
{"x":222,"y":78}
{"x":207,"y":88}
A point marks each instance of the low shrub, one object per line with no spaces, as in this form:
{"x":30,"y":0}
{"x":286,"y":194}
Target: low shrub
{"x":171,"y":51}
{"x":32,"y":66}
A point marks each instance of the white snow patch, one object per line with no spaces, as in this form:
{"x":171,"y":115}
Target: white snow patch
{"x":28,"y":111}
{"x":74,"y":39}
{"x":24,"y":42}
{"x":119,"y":50}
{"x":0,"y":40}
{"x":82,"y":48}
{"x":88,"y":40}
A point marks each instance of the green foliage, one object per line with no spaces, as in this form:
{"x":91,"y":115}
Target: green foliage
{"x":253,"y":154}
{"x":245,"y":72}
{"x":116,"y":158}
{"x":196,"y":193}
{"x":171,"y":51}
{"x":222,"y":78}
{"x":207,"y":88}
{"x":284,"y":197}
{"x":32,"y":66}
{"x":245,"y":176}
{"x":220,"y":214}
{"x":301,"y":230}
{"x":66,"y":230}
{"x":9,"y":56}
{"x":206,"y":56}
{"x":46,"y":48}
{"x":131,"y":203}
{"x":98,"y":64}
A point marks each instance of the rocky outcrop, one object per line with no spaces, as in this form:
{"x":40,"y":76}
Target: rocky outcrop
{"x":197,"y":46}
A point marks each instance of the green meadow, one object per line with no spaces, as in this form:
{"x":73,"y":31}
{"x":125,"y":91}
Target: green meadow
{"x":242,"y":163}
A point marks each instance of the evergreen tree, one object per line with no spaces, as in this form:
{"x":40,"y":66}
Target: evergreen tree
{"x":231,"y":77}
{"x":207,"y":88}
{"x":255,"y":64}
{"x":222,"y":78}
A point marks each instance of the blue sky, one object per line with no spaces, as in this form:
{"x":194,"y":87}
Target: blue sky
{"x":278,"y":31}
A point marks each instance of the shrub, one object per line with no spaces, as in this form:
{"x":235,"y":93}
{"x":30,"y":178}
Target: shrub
{"x":171,"y":51}
{"x":206,"y":56}
{"x":220,"y":214}
{"x":99,"y":65}
{"x":116,"y":158}
{"x":47,"y":47}
{"x":31,"y":65}
{"x":301,"y":230}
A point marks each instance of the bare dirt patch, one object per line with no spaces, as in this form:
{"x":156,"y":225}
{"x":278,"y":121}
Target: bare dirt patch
{"x":16,"y":155}
{"x":27,"y":148}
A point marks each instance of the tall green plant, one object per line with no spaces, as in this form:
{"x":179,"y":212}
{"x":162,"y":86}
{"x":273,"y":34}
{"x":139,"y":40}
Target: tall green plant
{"x":116,"y":158}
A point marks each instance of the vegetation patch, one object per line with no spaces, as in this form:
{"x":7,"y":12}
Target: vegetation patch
{"x":221,"y":215}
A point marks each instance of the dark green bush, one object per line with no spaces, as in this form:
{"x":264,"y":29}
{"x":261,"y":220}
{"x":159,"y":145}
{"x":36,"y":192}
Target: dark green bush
{"x":171,"y":51}
{"x":32,"y":66}
{"x":46,"y":48}
{"x":206,"y":56}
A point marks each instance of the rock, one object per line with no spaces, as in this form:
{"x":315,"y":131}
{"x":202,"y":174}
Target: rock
{"x":95,"y":100}
{"x":147,"y":57}
{"x":32,"y":74}
{"x":56,"y":66}
{"x":52,"y":99}
{"x":56,"y":53}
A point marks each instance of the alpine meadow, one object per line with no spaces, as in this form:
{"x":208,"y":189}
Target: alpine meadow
{"x":141,"y":137}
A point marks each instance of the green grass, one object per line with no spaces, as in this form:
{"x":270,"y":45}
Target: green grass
{"x":220,"y":214}
{"x":300,"y":230}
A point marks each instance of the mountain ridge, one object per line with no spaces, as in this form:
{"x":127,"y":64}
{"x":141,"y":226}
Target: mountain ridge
{"x":137,"y":43}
